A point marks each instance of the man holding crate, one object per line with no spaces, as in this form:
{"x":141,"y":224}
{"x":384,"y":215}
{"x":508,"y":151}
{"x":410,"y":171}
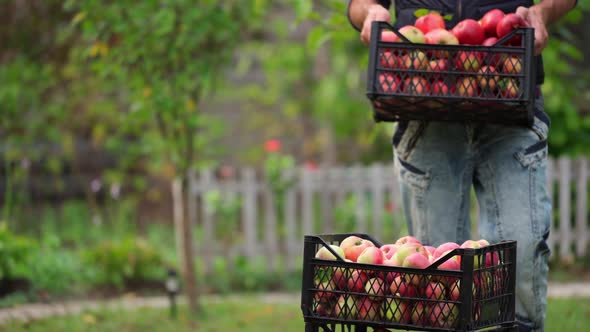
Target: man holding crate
{"x":437,"y":163}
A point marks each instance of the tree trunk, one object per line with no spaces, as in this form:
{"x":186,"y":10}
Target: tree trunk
{"x":184,"y":245}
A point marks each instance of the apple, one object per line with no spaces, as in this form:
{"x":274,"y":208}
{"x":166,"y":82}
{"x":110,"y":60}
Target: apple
{"x":509,"y":88}
{"x":507,"y":24}
{"x":438,"y":65}
{"x":441,"y":37}
{"x":413,"y":34}
{"x":468,"y":61}
{"x":435,"y":290}
{"x":414,"y":60}
{"x":469,"y":32}
{"x":388,"y":276}
{"x":325,"y":308}
{"x":371,"y":255}
{"x":444,"y":315}
{"x":400,"y":287}
{"x":346,"y":307}
{"x":416,"y":85}
{"x":420,"y":313}
{"x":430,"y":250}
{"x":467,"y":86}
{"x":388,"y":83}
{"x":357,"y":281}
{"x":353,"y":245}
{"x":407,"y":249}
{"x":454,"y":290}
{"x":490,"y":20}
{"x":470,"y":244}
{"x":340,"y":277}
{"x":376,"y":286}
{"x":389,"y":37}
{"x":512,"y":65}
{"x":325,"y":290}
{"x":450,"y":264}
{"x":395,"y":310}
{"x":389,"y":250}
{"x":483,"y":242}
{"x":407,"y":239}
{"x":368,"y":310}
{"x":487,"y":80}
{"x":429,"y":22}
{"x":324,"y":253}
{"x":389,"y":59}
{"x":444,"y":248}
{"x":439,"y":88}
{"x":417,"y":261}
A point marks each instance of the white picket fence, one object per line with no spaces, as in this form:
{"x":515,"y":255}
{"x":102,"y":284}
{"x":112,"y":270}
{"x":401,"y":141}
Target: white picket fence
{"x":258,"y":231}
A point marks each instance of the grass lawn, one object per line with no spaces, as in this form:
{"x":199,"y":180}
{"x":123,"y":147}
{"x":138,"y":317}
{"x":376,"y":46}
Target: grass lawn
{"x":562,"y":315}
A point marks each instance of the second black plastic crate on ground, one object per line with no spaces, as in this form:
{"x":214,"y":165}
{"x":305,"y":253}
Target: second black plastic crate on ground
{"x":459,"y":83}
{"x":480,"y":295}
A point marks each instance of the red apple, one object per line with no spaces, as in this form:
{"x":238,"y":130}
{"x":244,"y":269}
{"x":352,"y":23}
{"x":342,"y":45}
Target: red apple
{"x":509,"y":88}
{"x":371,"y":255}
{"x":438,"y":65}
{"x":346,"y":307}
{"x":389,"y":250}
{"x":407,"y":239}
{"x":407,"y":249}
{"x":395,"y":310}
{"x":469,"y":32}
{"x":490,"y":41}
{"x":444,"y":248}
{"x":353,"y":246}
{"x":389,"y":83}
{"x":455,"y":290}
{"x":368,"y":309}
{"x":420,"y":313}
{"x":512,"y":65}
{"x":468,"y":61}
{"x":441,"y":37}
{"x":445,"y":315}
{"x":324,"y":253}
{"x":417,"y":261}
{"x":388,"y":276}
{"x":470,"y":244}
{"x":439,"y":88}
{"x":413,"y":34}
{"x":487,"y":79}
{"x":376,"y":286}
{"x":416,"y":85}
{"x":389,"y":59}
{"x":490,"y":20}
{"x":430,"y":250}
{"x":467,"y":86}
{"x":509,"y":23}
{"x":400,"y":287}
{"x":435,"y":291}
{"x":389,"y":37}
{"x":357,"y":281}
{"x":325,"y":290}
{"x":429,"y":22}
{"x":340,"y":277}
{"x":414,"y":60}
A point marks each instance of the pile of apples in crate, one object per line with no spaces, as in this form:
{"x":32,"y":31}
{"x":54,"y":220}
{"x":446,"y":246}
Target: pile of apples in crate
{"x":485,"y":73}
{"x":368,"y":294}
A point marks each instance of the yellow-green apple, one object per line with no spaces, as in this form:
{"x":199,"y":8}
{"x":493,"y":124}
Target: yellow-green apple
{"x":469,"y":32}
{"x":368,"y":309}
{"x":414,"y":60}
{"x":346,"y":307}
{"x":324,"y":253}
{"x":487,"y":78}
{"x":416,"y":85}
{"x":416,"y":261}
{"x":357,"y":281}
{"x":400,"y":287}
{"x":407,"y":239}
{"x":389,"y":83}
{"x":371,"y":255}
{"x":489,"y":21}
{"x":389,"y":250}
{"x":413,"y":34}
{"x":376,"y":286}
{"x":509,"y":88}
{"x":429,"y":22}
{"x":353,"y":246}
{"x":444,"y":248}
{"x":439,"y":88}
{"x":444,"y":315}
{"x":395,"y":310}
{"x":512,"y":65}
{"x":507,"y":24}
{"x":469,"y":61}
{"x":438,"y":65}
{"x":467,"y":86}
{"x":435,"y":290}
{"x":407,"y":249}
{"x":420,"y":313}
{"x":470,"y":244}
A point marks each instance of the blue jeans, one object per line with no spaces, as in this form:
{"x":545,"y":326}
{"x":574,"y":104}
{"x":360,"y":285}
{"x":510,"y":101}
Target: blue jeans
{"x":438,"y":163}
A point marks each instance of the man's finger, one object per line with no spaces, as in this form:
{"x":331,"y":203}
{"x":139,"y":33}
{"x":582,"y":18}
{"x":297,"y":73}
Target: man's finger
{"x":523,"y":12}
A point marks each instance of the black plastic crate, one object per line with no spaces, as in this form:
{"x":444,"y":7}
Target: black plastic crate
{"x":481,"y":295}
{"x":409,"y":81}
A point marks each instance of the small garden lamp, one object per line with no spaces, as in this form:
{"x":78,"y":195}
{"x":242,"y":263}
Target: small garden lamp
{"x":172,"y":287}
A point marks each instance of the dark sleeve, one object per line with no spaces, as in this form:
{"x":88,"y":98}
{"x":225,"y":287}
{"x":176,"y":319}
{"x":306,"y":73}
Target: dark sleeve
{"x":384,"y":3}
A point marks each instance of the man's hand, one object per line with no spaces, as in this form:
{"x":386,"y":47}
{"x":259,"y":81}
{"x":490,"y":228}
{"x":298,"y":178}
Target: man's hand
{"x":533,"y":16}
{"x":374,"y":13}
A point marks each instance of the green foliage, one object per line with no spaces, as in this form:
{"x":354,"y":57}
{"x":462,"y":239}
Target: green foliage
{"x":124,"y":261}
{"x":14,"y":252}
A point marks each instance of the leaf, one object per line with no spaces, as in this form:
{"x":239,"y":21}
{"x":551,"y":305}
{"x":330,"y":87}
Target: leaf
{"x":421,"y":12}
{"x":448,"y":17}
{"x":316,"y":37}
{"x":303,"y":9}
